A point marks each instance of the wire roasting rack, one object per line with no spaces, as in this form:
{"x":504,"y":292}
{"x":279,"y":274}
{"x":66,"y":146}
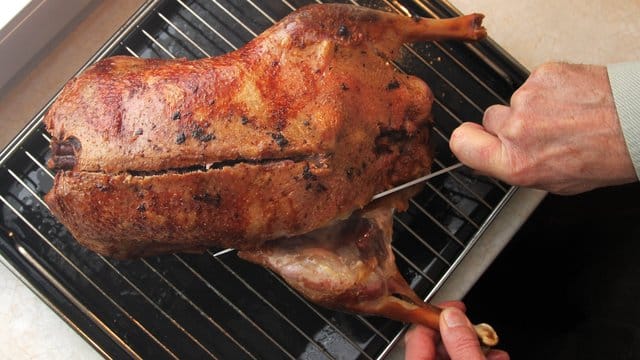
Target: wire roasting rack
{"x":214,"y":305}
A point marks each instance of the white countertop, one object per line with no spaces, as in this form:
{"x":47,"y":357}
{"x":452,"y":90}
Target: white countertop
{"x":533,"y":31}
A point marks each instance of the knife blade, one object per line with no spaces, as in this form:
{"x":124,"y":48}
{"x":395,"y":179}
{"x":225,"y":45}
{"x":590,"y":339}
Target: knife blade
{"x":417,"y":181}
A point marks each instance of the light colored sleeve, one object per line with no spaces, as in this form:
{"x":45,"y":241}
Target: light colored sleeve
{"x":625,"y":84}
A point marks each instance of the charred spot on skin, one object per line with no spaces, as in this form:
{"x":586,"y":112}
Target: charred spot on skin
{"x":411,"y":114}
{"x":244,"y":120}
{"x":275,"y":63}
{"x":320,"y":188}
{"x":306,"y":123}
{"x":138,"y":132}
{"x":142,"y":207}
{"x":176,"y":115}
{"x":280,"y":139}
{"x":344,"y":87}
{"x":388,"y":141}
{"x":198,"y":131}
{"x":343,"y":31}
{"x":394,"y":84}
{"x":199,"y":134}
{"x":307,"y":174}
{"x":206,"y":137}
{"x":280,"y":115}
{"x":317,"y":187}
{"x":208,"y":198}
{"x":102,"y":187}
{"x":351,"y":172}
{"x":181,"y":138}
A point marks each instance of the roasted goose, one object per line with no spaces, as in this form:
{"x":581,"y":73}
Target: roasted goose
{"x":283,"y":139}
{"x":299,"y":128}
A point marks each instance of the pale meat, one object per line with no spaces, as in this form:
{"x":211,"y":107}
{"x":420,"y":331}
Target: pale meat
{"x":349,"y":266}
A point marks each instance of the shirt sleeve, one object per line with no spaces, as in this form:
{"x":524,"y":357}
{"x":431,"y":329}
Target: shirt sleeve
{"x":625,"y":85}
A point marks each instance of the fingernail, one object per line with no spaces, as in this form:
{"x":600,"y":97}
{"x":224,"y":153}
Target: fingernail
{"x":454,"y":318}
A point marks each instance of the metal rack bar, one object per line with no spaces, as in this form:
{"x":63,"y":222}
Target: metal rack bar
{"x":197,"y":308}
{"x":438,"y":224}
{"x":324,"y":318}
{"x":209,"y":285}
{"x":412,"y":264}
{"x":233,"y":306}
{"x":183,"y":34}
{"x":270,"y":305}
{"x":421,"y":240}
{"x":105,"y":328}
{"x":128,"y":281}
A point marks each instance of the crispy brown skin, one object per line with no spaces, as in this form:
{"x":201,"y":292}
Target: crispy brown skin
{"x":297,"y":129}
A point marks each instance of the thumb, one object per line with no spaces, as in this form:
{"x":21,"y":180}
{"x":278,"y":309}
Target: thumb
{"x":478,"y":149}
{"x":458,"y":336}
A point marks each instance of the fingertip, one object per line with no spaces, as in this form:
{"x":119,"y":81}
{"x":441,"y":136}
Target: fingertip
{"x":461,"y":135}
{"x":458,"y":335}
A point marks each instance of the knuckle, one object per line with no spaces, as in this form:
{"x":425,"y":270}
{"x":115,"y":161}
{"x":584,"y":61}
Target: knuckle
{"x":546,"y":70}
{"x":492,"y":113}
{"x":522,"y":97}
{"x":516,"y":129}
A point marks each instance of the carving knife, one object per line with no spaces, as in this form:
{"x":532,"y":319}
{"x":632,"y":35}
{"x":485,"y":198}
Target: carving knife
{"x":417,"y":181}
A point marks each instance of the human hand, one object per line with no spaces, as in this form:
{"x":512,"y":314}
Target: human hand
{"x":457,"y":339}
{"x":560,"y":134}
